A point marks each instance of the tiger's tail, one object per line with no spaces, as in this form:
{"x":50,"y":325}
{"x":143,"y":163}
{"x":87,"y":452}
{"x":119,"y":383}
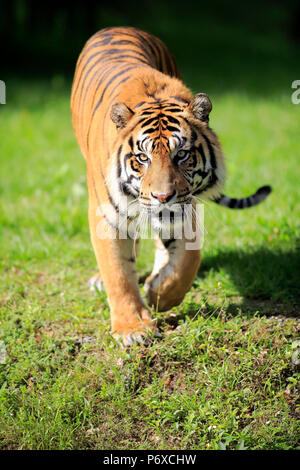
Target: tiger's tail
{"x":244,"y":202}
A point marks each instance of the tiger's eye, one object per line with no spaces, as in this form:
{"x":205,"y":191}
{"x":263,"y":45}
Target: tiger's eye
{"x":142,"y":157}
{"x":181,"y":153}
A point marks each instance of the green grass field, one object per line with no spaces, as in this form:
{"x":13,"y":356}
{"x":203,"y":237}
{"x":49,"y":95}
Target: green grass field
{"x":222,"y":376}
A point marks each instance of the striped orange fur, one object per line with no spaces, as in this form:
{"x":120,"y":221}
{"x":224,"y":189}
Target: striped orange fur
{"x":147,"y":145}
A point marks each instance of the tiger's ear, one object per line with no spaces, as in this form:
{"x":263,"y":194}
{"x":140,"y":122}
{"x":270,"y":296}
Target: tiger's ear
{"x":201,"y":106}
{"x":120,"y":114}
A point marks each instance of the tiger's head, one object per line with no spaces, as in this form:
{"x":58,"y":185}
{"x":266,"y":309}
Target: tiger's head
{"x":166,"y":153}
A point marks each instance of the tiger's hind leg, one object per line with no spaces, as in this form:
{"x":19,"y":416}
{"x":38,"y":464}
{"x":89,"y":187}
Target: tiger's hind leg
{"x":96,"y":283}
{"x":174,"y":271}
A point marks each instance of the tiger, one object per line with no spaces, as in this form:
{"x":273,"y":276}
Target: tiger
{"x":148,"y":147}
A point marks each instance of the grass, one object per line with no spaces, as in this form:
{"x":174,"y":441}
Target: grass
{"x":223,"y":375}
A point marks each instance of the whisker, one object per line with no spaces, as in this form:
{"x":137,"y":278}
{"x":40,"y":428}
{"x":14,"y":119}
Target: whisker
{"x":210,"y":212}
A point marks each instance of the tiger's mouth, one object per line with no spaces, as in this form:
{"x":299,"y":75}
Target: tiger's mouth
{"x":174,"y":206}
{"x":166,"y":217}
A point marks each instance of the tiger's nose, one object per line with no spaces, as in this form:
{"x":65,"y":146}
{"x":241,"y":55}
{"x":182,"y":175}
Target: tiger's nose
{"x":163,"y":197}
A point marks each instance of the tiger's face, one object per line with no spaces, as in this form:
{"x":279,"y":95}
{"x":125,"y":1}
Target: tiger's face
{"x":166,"y":154}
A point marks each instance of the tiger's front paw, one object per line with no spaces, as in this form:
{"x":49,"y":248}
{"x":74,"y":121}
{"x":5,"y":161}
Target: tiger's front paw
{"x":162,"y":296}
{"x":164,"y":301}
{"x":140,"y":330}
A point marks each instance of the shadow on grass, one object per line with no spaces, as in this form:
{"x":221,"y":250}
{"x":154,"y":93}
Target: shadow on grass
{"x":260,"y":274}
{"x":267,"y":281}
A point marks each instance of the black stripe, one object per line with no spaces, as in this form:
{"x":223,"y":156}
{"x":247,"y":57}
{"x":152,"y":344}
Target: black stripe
{"x":219,"y":199}
{"x":110,"y":198}
{"x":152,"y":129}
{"x":109,"y":222}
{"x":201,"y":151}
{"x":124,"y":189}
{"x":211,"y":152}
{"x":240,"y":203}
{"x":139,"y":104}
{"x":212,"y":180}
{"x":146,"y":113}
{"x":81,"y":82}
{"x":167,"y":243}
{"x":193,"y":136}
{"x":173,"y":129}
{"x":174,"y":109}
{"x":119,"y":161}
{"x":111,"y":80}
{"x":232,"y":203}
{"x":102,"y":42}
{"x":155,"y":53}
{"x":173,"y":120}
{"x":146,"y":123}
{"x":178,"y":98}
{"x":137,"y":170}
{"x":130,"y":142}
{"x":200,"y":172}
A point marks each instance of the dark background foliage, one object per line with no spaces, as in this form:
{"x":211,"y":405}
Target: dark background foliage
{"x":236,"y":45}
